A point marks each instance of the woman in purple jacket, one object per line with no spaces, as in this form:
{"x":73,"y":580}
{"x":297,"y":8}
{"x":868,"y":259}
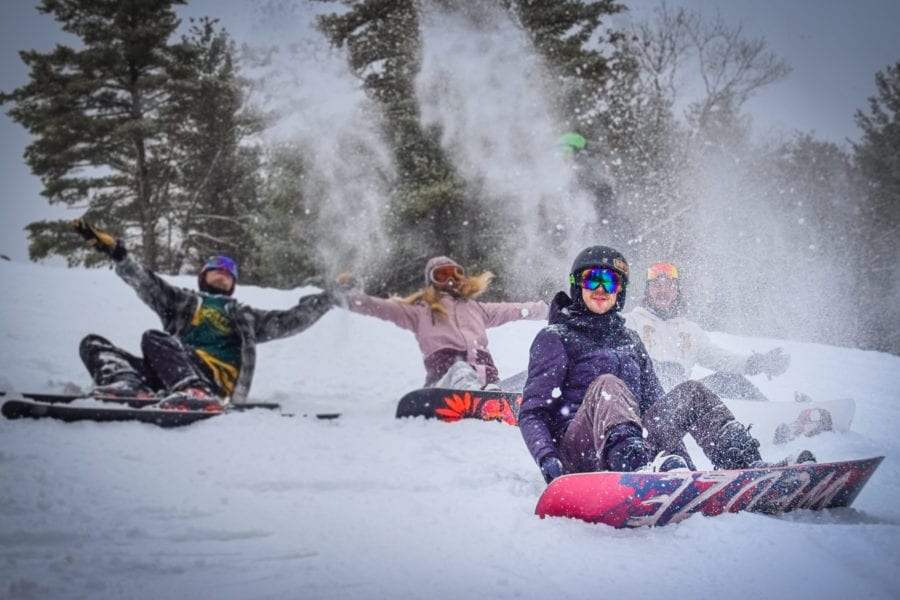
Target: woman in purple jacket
{"x":449,"y":324}
{"x":592,"y":401}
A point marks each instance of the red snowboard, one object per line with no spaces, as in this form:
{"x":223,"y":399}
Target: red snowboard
{"x":654,"y":499}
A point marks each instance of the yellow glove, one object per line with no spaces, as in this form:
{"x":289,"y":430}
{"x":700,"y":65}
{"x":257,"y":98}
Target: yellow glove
{"x":99,"y":239}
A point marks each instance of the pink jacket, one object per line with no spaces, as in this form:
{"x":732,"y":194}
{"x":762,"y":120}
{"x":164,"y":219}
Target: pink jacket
{"x":460,"y":336}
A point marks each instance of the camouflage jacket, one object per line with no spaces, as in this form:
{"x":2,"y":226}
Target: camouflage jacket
{"x":176,"y":307}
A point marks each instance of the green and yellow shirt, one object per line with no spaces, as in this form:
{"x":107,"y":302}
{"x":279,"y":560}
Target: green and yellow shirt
{"x":213,"y":337}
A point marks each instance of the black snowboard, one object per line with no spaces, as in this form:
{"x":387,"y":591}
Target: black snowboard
{"x":62,"y":410}
{"x":133,"y":401}
{"x":453,"y":405}
{"x":17,"y":409}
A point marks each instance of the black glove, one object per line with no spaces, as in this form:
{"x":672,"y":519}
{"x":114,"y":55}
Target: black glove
{"x":772,"y":363}
{"x":100,"y":240}
{"x":551,"y":467}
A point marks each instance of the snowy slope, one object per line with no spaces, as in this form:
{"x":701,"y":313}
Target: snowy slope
{"x":261,"y":506}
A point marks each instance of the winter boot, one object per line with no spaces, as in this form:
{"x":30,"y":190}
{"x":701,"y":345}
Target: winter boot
{"x":124,"y":385}
{"x":626,"y":449}
{"x":195,"y":396}
{"x":810,"y":422}
{"x":736,"y":448}
{"x":795,"y":458}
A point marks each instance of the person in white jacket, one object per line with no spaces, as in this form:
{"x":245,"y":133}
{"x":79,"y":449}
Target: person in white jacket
{"x":676,"y":344}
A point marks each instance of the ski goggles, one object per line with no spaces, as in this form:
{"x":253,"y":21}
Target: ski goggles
{"x":221,"y":263}
{"x":662,"y":269}
{"x":595,"y":277}
{"x":446,"y":273}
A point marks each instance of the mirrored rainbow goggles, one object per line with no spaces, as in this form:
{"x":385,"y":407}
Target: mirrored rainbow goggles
{"x":594,"y":277}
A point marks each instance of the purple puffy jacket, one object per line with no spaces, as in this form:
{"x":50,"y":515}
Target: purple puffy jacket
{"x":566,"y":357}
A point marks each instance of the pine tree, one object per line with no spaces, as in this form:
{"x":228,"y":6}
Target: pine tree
{"x":592,"y":68}
{"x":216,"y":197}
{"x":877,"y":156}
{"x":595,"y":91}
{"x":429,"y":208}
{"x":96,"y":115}
{"x":287,"y":222}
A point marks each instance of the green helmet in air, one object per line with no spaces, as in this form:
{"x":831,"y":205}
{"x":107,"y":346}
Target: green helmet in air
{"x":571,"y":143}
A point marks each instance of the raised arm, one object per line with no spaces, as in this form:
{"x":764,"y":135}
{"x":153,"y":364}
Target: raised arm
{"x":151,"y":289}
{"x":274,"y":324}
{"x":504,"y":312}
{"x":399,"y":313}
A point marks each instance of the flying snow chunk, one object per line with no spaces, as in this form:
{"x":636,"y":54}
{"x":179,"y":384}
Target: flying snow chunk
{"x":556,"y":393}
{"x":605,"y":395}
{"x":525,"y":313}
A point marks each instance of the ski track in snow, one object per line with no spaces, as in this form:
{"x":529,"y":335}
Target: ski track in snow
{"x":256,"y":505}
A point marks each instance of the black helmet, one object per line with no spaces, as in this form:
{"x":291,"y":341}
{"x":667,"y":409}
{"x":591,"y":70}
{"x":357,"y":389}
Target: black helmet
{"x":604,"y":257}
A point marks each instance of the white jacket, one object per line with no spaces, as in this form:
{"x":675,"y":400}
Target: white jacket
{"x":682,"y":341}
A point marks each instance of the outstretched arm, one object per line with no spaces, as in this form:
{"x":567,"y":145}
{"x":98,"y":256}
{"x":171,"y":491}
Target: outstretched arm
{"x":274,"y":324}
{"x":151,"y":289}
{"x":162,"y":297}
{"x":504,"y":312}
{"x":99,"y":240}
{"x":399,"y":313}
{"x":716,"y":358}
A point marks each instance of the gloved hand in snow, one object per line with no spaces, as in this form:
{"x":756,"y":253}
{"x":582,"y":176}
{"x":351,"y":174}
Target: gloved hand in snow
{"x":343,"y":285}
{"x":100,"y":240}
{"x":772,"y":363}
{"x":551,"y":467}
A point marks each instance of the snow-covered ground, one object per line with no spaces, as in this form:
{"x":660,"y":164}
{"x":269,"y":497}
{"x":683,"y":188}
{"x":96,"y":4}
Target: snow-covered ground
{"x":256,"y":505}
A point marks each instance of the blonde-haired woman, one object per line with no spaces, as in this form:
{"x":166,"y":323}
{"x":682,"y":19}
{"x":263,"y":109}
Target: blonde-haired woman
{"x":449,"y":323}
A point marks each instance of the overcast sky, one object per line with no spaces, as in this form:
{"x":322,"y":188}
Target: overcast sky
{"x":835,"y":48}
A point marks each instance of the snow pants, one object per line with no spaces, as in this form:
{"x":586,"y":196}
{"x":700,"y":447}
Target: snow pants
{"x":167,"y":364}
{"x":733,"y":385}
{"x":690,"y":408}
{"x":460,"y":376}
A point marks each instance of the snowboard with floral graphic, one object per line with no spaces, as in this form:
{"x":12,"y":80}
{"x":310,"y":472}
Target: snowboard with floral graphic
{"x":453,"y":405}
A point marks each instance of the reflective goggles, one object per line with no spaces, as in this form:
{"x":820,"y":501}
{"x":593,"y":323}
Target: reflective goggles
{"x":594,"y":277}
{"x":446,"y":273}
{"x":662,"y":269}
{"x":221,"y":263}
